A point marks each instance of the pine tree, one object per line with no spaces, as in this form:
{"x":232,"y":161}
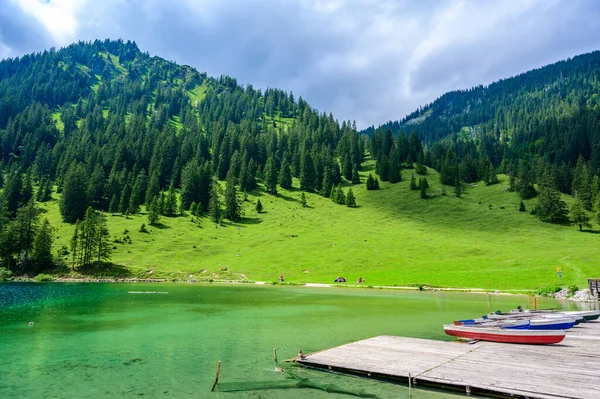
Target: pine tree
{"x":423,"y":185}
{"x":153,"y":189}
{"x":307,"y":172}
{"x":285,"y":175}
{"x":582,"y":183}
{"x":259,"y":206}
{"x":340,"y":196}
{"x":356,"y":176}
{"x":214,"y":206}
{"x":350,"y":200}
{"x":413,"y":183}
{"x":12,"y":193}
{"x":42,"y":246}
{"x":194,"y":209}
{"x":23,"y":231}
{"x":372,"y":183}
{"x":171,"y":208}
{"x":154,"y":212}
{"x":522,"y":207}
{"x":457,"y":187}
{"x":492,"y":177}
{"x":271,"y":176}
{"x":579,"y":215}
{"x":190,"y":184}
{"x":113,"y":207}
{"x":74,"y":200}
{"x":303,"y":200}
{"x":550,"y":207}
{"x":102,"y":238}
{"x":394,"y":168}
{"x":75,"y":245}
{"x":233,"y":209}
{"x":125,"y":199}
{"x":138,"y":194}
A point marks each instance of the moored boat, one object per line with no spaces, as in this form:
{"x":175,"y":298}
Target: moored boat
{"x":515,"y":336}
{"x":538,"y":321}
{"x":588,"y":315}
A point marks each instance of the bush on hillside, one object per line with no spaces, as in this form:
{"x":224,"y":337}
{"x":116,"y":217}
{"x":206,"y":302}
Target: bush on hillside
{"x":43,"y":277}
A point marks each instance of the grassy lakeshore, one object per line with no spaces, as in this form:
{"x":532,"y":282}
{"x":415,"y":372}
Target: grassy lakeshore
{"x":393,"y":238}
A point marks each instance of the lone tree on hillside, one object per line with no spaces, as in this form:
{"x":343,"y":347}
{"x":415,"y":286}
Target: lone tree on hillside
{"x":413,"y":183}
{"x":259,"y":206}
{"x":423,"y":186}
{"x":303,"y":200}
{"x":579,"y":215}
{"x":350,"y":200}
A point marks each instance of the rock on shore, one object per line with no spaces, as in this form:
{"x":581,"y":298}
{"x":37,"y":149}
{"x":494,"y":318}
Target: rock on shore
{"x":578,"y":296}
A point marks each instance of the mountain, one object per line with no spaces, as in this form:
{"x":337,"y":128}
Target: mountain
{"x":542,"y":126}
{"x":113,"y":129}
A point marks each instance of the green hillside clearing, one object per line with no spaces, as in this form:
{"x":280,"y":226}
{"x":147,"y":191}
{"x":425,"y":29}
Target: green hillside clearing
{"x":393,"y":238}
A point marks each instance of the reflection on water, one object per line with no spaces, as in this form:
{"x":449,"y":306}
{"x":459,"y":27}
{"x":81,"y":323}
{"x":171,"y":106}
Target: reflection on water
{"x":96,"y":340}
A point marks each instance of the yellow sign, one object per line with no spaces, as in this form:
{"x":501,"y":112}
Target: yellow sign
{"x":558,"y":269}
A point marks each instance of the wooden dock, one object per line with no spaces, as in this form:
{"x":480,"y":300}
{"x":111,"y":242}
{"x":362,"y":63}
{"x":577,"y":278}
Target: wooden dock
{"x":570,"y":369}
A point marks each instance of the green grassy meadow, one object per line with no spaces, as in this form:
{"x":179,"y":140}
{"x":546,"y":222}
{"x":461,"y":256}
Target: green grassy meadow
{"x":393,"y":238}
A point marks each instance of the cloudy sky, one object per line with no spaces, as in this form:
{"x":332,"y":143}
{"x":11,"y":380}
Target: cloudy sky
{"x":368,"y":60}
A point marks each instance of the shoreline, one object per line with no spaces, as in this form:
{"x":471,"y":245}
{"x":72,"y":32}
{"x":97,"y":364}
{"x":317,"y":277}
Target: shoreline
{"x":308,"y":285}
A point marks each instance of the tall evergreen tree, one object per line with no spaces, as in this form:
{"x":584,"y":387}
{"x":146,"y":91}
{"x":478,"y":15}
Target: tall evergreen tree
{"x":74,"y":245}
{"x":42,"y":246}
{"x":153,"y":189}
{"x":413,"y":183}
{"x":171,"y":208}
{"x":214,"y":206}
{"x":285,"y":175}
{"x":102,"y":238}
{"x":154,"y":212}
{"x":350,"y":199}
{"x":579,"y":215}
{"x":307,"y":172}
{"x":271,"y":177}
{"x":233,"y":209}
{"x":550,"y":207}
{"x":356,"y":176}
{"x":74,"y":199}
{"x":340,"y":196}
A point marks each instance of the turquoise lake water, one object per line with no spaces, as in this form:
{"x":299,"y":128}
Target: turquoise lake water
{"x":98,"y":340}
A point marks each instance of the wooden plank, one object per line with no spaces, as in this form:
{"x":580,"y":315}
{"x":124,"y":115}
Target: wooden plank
{"x":570,"y":369}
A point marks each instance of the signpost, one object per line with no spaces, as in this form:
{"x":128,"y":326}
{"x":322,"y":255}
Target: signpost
{"x":559,"y":272}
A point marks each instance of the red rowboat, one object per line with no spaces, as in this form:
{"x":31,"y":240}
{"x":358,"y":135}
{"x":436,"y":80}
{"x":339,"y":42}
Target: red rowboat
{"x":540,"y":337}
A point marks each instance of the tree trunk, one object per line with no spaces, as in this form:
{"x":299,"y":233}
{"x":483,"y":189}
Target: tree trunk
{"x":580,"y":227}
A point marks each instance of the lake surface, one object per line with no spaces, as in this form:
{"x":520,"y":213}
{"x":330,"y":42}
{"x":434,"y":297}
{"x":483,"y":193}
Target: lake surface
{"x":98,"y":340}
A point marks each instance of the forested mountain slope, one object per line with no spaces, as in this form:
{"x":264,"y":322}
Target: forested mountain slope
{"x":116,"y":162}
{"x":542,"y":126}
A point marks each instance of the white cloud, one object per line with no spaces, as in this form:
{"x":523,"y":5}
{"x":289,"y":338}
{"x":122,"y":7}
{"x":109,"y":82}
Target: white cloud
{"x":57,"y":16}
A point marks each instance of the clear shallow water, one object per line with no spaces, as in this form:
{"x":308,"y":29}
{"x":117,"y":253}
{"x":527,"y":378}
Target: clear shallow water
{"x":97,"y":340}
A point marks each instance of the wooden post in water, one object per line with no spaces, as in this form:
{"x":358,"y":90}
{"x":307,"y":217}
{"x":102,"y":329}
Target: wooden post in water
{"x":409,"y":386}
{"x":217,"y":378}
{"x":535,"y":302}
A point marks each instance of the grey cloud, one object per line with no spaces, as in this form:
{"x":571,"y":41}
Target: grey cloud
{"x":367,"y":60}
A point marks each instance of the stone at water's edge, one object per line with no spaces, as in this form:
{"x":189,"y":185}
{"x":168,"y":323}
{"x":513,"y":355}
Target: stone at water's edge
{"x":578,"y":296}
